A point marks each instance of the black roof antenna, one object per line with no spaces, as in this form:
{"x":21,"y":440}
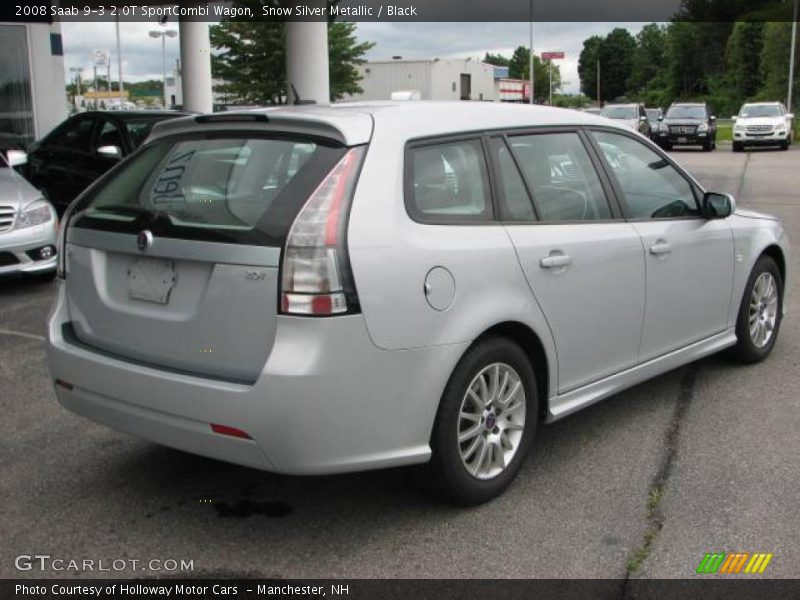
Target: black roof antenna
{"x":297,"y":100}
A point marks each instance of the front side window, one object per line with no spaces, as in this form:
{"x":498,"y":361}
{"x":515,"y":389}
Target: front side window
{"x":652,"y":187}
{"x":231,"y":189}
{"x":563,"y":180}
{"x":448,"y":182}
{"x":109,"y":135}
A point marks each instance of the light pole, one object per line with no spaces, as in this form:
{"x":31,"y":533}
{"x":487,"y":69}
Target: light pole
{"x":164,"y":34}
{"x":119,"y":69}
{"x":792,"y":57}
{"x":530,"y":53}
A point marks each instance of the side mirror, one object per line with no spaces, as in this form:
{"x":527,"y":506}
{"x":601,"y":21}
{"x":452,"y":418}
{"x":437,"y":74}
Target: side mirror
{"x":712,"y":118}
{"x":16,"y":158}
{"x":790,"y":115}
{"x":660,"y":117}
{"x":718,"y":206}
{"x":113,"y":152}
{"x":643,"y":118}
{"x":734,"y":118}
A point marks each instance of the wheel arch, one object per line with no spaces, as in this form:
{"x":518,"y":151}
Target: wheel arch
{"x":534,"y":349}
{"x":776,"y":253}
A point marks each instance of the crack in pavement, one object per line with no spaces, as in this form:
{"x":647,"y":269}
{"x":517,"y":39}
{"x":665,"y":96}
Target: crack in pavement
{"x":655,"y":518}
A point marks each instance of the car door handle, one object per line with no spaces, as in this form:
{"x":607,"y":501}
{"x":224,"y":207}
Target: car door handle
{"x":661,"y":247}
{"x":555,"y":261}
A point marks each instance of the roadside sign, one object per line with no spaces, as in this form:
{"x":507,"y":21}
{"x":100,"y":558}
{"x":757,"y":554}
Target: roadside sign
{"x":552,"y":55}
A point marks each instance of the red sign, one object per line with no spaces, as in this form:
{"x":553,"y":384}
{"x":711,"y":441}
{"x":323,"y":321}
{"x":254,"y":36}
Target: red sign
{"x":552,"y":55}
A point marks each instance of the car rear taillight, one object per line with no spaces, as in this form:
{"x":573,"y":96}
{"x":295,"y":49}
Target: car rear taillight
{"x":316,"y":278}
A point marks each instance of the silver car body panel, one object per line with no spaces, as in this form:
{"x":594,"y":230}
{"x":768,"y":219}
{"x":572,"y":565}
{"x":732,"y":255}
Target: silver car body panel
{"x":362,"y":391}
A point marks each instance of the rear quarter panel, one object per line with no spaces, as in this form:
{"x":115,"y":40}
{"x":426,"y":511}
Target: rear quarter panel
{"x":391,"y":255}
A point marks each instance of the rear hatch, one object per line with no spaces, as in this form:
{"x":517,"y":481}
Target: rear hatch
{"x":173,"y":258}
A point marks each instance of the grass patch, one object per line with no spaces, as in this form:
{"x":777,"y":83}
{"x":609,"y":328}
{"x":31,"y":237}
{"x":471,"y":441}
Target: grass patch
{"x":725,"y":132}
{"x":642,"y":552}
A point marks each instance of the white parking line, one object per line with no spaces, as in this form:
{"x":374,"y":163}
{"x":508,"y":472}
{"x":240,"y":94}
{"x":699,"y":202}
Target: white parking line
{"x":31,"y":336}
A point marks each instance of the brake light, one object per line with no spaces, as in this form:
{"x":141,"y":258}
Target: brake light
{"x":231,"y":431}
{"x":316,"y":278}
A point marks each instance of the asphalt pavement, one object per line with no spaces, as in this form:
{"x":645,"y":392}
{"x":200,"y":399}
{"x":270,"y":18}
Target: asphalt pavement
{"x":701,"y":459}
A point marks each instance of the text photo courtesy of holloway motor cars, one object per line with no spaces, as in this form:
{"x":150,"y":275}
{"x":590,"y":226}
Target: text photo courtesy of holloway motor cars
{"x":437,"y":299}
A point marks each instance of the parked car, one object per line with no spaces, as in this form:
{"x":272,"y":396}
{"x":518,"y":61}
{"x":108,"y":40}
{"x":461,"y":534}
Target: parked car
{"x":84,"y":147}
{"x":28,"y":223}
{"x":688,"y":124}
{"x":593,"y":110}
{"x":632,"y":115}
{"x":763,"y":124}
{"x":654,"y":117}
{"x":314,"y":290}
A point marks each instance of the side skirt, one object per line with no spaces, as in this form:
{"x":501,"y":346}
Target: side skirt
{"x":573,"y":401}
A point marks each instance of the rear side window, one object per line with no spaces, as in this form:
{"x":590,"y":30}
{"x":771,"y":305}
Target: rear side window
{"x":245,"y":190}
{"x":139,"y":130}
{"x":448,"y":183}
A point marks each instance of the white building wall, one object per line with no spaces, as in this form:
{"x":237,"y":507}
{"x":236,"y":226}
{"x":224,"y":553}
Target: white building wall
{"x":47,"y":78}
{"x":438,"y":79}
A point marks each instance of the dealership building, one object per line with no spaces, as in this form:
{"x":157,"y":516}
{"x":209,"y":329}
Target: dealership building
{"x":32,"y":97}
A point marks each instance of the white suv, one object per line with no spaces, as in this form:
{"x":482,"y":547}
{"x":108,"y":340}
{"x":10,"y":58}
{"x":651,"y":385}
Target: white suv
{"x":762,"y":124}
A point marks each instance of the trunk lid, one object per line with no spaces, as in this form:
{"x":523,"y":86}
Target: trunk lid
{"x":173,"y":258}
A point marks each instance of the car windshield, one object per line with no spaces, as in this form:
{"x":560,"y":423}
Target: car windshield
{"x":653,"y":113}
{"x":620,"y":112}
{"x":760,"y":110}
{"x":686,"y":112}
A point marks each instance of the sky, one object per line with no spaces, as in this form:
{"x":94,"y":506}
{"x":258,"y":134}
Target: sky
{"x":142,"y":56}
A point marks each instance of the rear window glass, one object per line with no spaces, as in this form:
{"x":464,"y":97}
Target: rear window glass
{"x":448,"y":183}
{"x":228,"y":189}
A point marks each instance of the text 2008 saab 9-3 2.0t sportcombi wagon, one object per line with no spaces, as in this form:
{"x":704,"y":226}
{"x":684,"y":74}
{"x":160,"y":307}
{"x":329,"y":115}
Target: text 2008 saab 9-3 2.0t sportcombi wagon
{"x":325,"y":289}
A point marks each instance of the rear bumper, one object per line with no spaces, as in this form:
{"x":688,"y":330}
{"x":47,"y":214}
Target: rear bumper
{"x":19,"y":242}
{"x":327,"y":401}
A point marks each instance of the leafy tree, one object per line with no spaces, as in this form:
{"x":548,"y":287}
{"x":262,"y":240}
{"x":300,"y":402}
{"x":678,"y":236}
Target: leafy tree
{"x":743,"y":58}
{"x":616,"y":62}
{"x":519,"y":68}
{"x":775,"y":63}
{"x":251,"y":60}
{"x":587,"y":66}
{"x":648,"y":58}
{"x":497,"y":60}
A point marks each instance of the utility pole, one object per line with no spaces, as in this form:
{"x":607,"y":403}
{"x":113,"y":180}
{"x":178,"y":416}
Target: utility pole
{"x":792,"y":58}
{"x":530,"y":54}
{"x":550,"y":64}
{"x":94,"y":85}
{"x":119,"y":69}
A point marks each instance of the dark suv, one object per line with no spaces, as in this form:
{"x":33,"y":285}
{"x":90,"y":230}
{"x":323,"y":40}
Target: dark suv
{"x":687,"y":124}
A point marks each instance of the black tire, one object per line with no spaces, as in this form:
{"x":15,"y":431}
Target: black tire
{"x":666,"y":146}
{"x":785,"y":145}
{"x":738,"y":147}
{"x":708,"y":146}
{"x":446,"y":475}
{"x":745,"y":350}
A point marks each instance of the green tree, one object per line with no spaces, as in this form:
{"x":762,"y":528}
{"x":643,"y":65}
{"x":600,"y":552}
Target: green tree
{"x":497,"y":60}
{"x":743,"y":59}
{"x":587,"y":65}
{"x":251,"y":61}
{"x":519,"y":68}
{"x":774,"y":69}
{"x":616,"y":62}
{"x":648,"y":58}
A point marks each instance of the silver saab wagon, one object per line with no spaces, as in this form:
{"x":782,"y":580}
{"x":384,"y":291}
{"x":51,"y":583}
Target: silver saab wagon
{"x":325,"y":289}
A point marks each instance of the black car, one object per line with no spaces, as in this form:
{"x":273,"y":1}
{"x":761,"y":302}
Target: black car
{"x":688,"y":124}
{"x":85,"y":146}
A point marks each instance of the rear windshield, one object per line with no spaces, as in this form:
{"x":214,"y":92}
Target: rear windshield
{"x":228,"y":189}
